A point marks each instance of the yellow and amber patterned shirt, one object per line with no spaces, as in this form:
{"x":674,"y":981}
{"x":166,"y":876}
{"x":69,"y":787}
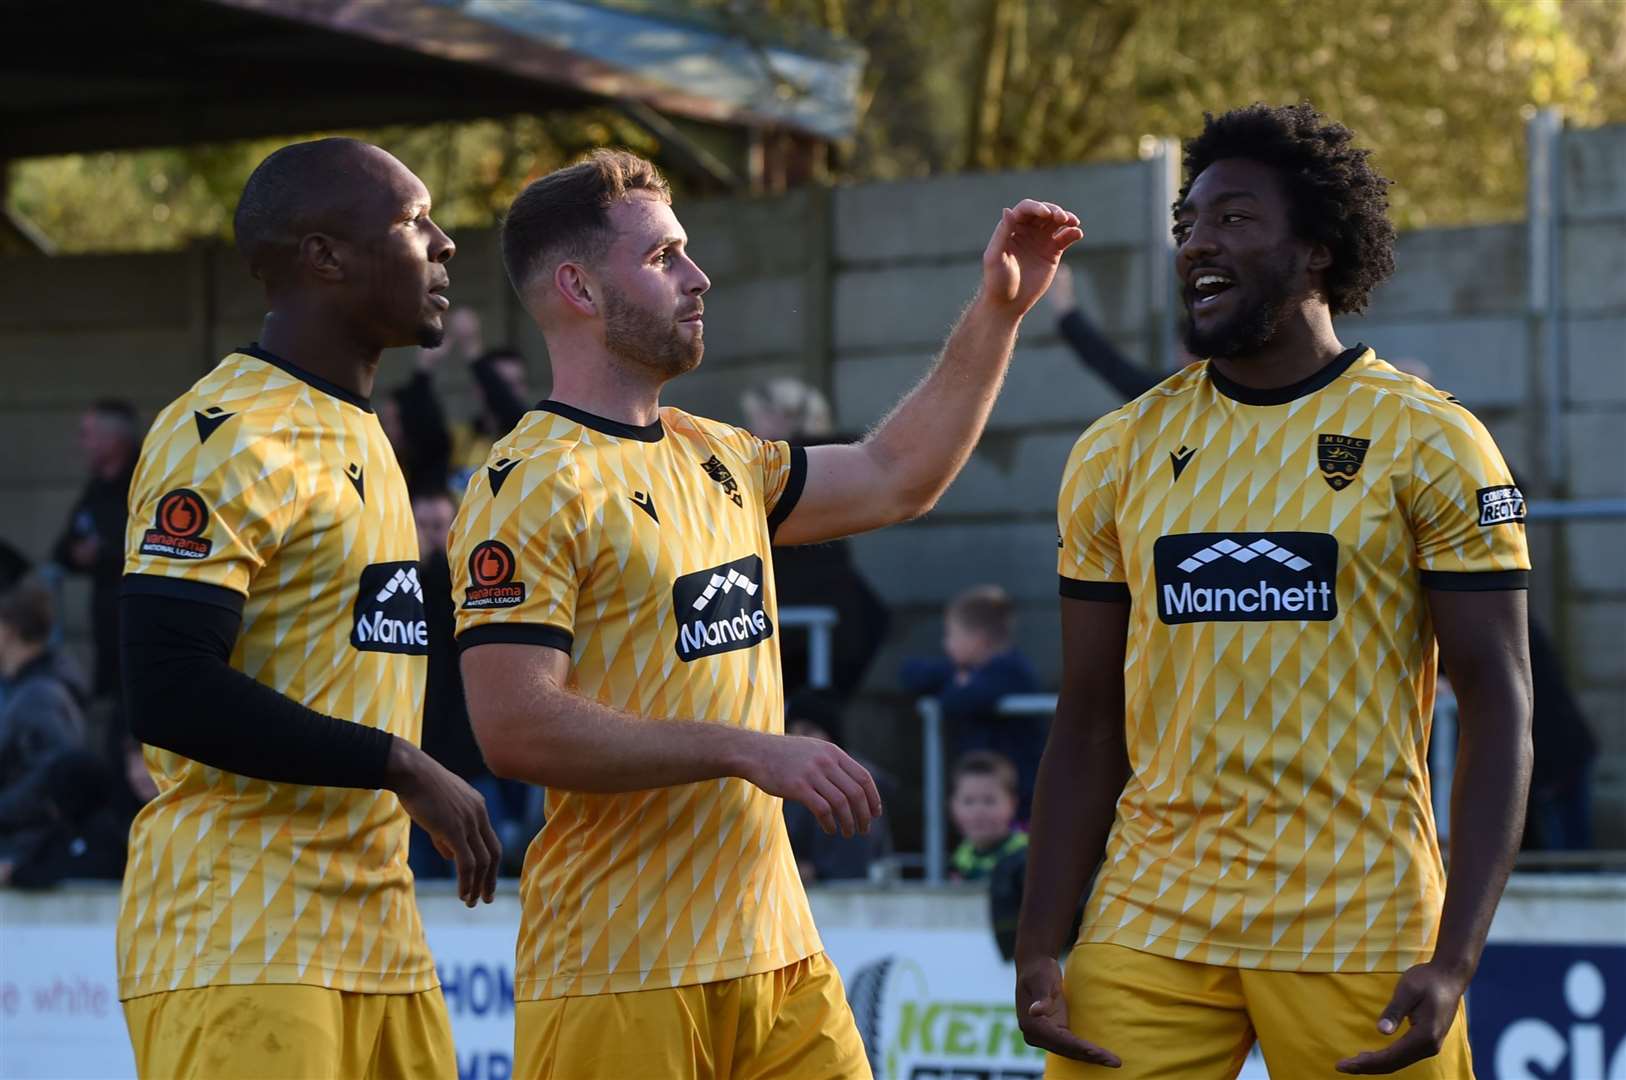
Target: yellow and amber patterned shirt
{"x":1275,"y":548}
{"x":268,"y":490}
{"x":643,"y":552}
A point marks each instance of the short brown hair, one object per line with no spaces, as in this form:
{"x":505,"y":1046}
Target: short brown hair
{"x":565,"y":214}
{"x":985,"y":763}
{"x":986,"y":609}
{"x":28,"y":609}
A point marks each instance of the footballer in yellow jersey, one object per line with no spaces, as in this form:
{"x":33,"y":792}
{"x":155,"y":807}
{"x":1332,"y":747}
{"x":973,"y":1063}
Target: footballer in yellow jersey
{"x":617,"y":611}
{"x":1275,"y":543}
{"x":643,"y":552}
{"x":274,"y":628}
{"x":263,"y":475}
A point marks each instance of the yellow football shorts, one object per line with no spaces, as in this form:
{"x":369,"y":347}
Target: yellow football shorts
{"x":1173,"y":1019}
{"x":793,"y":1023}
{"x":290,"y":1033}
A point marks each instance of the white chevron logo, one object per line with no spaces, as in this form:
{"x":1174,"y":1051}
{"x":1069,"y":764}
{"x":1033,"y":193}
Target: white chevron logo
{"x":721,"y":584}
{"x":404,"y":579}
{"x":1230,"y":549}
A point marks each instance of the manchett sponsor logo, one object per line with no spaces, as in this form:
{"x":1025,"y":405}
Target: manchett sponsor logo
{"x":721,"y":609}
{"x":389,"y":615}
{"x":1246,"y":577}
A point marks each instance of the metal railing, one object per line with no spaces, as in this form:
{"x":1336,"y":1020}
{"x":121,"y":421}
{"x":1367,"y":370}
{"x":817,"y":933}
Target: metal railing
{"x":820,"y":624}
{"x":1575,"y":509}
{"x":1442,"y":767}
{"x":934,"y":797}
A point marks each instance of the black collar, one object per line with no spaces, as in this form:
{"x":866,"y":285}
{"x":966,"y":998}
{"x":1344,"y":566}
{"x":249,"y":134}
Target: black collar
{"x":1281,"y":395}
{"x":315,"y":381}
{"x":647,"y":433}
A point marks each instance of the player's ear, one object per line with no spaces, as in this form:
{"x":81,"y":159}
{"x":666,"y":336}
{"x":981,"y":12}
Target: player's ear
{"x":576,"y":287}
{"x":319,"y":255}
{"x":1320,"y":258}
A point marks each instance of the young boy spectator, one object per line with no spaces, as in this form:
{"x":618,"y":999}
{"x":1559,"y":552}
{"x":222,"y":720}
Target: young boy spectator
{"x":981,"y":665}
{"x":982,"y":802}
{"x":822,"y":856}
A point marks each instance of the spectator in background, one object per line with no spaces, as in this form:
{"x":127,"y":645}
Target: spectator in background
{"x":433,"y":452}
{"x":40,"y":718}
{"x":982,"y":802}
{"x":83,"y":826}
{"x":92,"y":543}
{"x":816,"y":575}
{"x":447,"y":736}
{"x":822,"y":856}
{"x":981,"y":666}
{"x":13,"y":565}
{"x":1559,"y":817}
{"x":1098,"y":353}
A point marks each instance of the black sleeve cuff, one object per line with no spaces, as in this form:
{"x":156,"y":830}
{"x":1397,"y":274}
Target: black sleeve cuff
{"x":1111,"y":592}
{"x":1490,"y":581}
{"x":793,"y":489}
{"x":200,"y":592}
{"x":553,"y":637}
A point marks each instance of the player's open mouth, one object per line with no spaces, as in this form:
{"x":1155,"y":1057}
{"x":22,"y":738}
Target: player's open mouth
{"x":1208,"y":285}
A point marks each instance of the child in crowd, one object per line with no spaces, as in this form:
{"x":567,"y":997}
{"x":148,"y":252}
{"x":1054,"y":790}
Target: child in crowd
{"x":982,"y":801}
{"x":981,"y":665}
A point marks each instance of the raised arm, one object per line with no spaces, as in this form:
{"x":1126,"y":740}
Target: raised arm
{"x":901,"y":469}
{"x":1081,"y":775}
{"x":531,"y":727}
{"x":1485,"y":646}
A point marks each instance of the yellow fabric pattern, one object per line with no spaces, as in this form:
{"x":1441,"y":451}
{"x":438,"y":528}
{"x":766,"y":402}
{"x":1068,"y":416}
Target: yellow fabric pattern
{"x":643,"y":552}
{"x":789,"y":1024}
{"x":1179,"y":1020}
{"x":1280,"y":674}
{"x":281,"y":489}
{"x":290,"y":1033}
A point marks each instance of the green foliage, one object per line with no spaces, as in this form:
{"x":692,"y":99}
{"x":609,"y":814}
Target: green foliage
{"x":158,"y":199}
{"x":1437,"y":88}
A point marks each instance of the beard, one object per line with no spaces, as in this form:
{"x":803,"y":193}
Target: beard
{"x":1249,"y":329}
{"x":431,"y":334}
{"x":650,"y":341}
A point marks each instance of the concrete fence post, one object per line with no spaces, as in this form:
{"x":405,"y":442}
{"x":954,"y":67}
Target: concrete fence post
{"x":1162,"y":159}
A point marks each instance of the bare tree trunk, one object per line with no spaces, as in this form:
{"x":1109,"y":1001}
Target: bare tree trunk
{"x":986,"y":108}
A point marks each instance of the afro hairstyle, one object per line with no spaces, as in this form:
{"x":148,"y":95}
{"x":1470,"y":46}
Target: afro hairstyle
{"x":1336,"y":197}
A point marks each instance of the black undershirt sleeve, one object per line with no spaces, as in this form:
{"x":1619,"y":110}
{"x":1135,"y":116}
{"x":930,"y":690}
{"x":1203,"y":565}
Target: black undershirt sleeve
{"x":184,"y":696}
{"x":1102,"y":356}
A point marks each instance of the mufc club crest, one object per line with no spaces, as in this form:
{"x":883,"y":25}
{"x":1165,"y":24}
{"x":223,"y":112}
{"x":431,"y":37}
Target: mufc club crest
{"x":1340,"y":458}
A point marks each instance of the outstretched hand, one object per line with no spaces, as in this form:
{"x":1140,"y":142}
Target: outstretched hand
{"x":1023,"y":253}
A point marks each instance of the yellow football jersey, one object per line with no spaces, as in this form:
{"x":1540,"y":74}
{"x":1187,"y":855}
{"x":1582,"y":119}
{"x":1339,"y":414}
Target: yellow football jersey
{"x":643,"y":552}
{"x":1275,"y":548}
{"x":280,"y":488}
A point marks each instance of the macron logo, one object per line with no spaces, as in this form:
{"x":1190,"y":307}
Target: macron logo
{"x":721,"y":584}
